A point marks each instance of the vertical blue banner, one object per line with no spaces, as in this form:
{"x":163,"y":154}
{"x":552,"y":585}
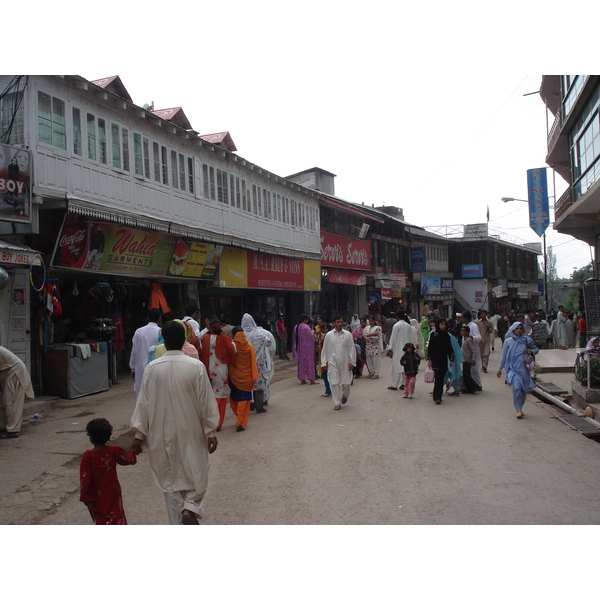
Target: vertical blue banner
{"x":539,"y":211}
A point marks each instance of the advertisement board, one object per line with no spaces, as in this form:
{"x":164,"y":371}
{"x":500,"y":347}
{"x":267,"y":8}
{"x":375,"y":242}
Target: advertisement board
{"x":15,"y":184}
{"x":417,"y":259}
{"x":116,"y":249}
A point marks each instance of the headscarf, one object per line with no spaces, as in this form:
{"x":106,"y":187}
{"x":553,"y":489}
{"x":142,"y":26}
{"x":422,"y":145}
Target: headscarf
{"x":517,"y":375}
{"x":260,"y":340}
{"x":425,"y":330}
{"x":592,"y":352}
{"x":187,"y":348}
{"x":355,"y":322}
{"x":418,"y":341}
{"x":223,"y":348}
{"x":243,"y":372}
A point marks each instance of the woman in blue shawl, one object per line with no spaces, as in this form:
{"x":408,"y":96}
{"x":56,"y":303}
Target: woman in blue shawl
{"x":454,"y":368}
{"x":516,"y":349}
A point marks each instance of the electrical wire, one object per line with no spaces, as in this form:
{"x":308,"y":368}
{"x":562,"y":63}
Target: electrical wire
{"x":13,"y":87}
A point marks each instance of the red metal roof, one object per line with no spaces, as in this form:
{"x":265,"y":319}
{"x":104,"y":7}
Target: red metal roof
{"x":175,"y":115}
{"x":223,"y":139}
{"x":115,"y":85}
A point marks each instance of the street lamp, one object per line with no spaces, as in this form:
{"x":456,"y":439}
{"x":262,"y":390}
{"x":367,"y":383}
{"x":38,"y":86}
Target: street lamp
{"x":505,"y":199}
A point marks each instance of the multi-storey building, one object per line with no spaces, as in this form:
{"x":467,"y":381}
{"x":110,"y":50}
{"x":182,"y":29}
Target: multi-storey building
{"x":574,"y":153}
{"x":124,"y":204}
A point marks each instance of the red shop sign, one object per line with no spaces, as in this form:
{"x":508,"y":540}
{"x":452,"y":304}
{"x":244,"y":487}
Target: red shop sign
{"x":348,"y":253}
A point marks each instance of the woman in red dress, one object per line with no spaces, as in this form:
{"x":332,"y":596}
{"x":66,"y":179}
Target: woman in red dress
{"x":100,"y":488}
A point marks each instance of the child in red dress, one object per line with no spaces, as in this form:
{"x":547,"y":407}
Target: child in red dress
{"x":100,"y":488}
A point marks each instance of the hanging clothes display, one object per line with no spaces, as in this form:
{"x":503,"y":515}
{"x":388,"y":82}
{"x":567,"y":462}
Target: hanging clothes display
{"x":157,"y":298}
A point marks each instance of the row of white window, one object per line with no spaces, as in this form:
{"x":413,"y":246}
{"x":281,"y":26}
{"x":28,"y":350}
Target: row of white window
{"x":93,"y":137}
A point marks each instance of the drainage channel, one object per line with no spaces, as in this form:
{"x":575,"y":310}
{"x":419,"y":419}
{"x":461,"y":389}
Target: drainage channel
{"x":574,"y":418}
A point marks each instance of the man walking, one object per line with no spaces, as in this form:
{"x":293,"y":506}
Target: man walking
{"x":486,"y":331}
{"x":143,"y":339}
{"x":338,"y":358}
{"x":402,"y":334}
{"x":16,"y":385}
{"x":476,"y":372}
{"x":177,"y":414}
{"x":191,"y":312}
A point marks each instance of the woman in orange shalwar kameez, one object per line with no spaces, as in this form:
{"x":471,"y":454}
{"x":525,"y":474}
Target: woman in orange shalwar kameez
{"x":218,"y":353}
{"x":243,"y":373}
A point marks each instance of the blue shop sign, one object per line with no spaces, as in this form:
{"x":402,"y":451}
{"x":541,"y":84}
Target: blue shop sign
{"x":471,"y":271}
{"x":417,"y":259}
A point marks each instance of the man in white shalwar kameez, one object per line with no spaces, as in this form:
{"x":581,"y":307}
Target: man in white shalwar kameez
{"x":143,"y":339}
{"x":338,"y":358}
{"x":402,"y":334}
{"x":177,"y":414}
{"x":561,"y":329}
{"x":476,"y":335}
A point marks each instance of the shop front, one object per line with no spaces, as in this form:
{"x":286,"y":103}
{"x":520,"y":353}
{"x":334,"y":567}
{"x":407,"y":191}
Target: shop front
{"x":394,"y":291}
{"x":265,"y":284}
{"x":106,"y":276}
{"x":15,"y":292}
{"x":437,"y":294}
{"x":345,"y":263}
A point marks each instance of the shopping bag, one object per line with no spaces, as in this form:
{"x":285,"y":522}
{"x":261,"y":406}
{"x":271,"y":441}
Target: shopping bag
{"x":429,"y":375}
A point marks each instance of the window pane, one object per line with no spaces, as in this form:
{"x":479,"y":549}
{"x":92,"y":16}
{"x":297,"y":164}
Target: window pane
{"x":146,"y":158}
{"x":91,"y":136}
{"x":174,"y":177}
{"x":77,"y":131}
{"x":102,"y":141}
{"x":205,"y":176}
{"x":125,"y":149}
{"x":116,"y":146}
{"x":163,"y":165}
{"x":182,"y":172}
{"x":44,"y":117}
{"x":191,"y":175}
{"x":156,"y":161}
{"x":59,"y":129}
{"x":138,"y":160}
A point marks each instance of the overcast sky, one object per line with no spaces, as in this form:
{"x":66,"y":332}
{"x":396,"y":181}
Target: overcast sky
{"x":421,"y":108}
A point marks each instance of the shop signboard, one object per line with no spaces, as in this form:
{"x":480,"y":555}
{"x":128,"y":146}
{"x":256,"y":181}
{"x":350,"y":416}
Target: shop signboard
{"x":417,"y":259}
{"x":344,"y":252}
{"x":15,"y":184}
{"x":249,"y":269}
{"x":112,"y":248}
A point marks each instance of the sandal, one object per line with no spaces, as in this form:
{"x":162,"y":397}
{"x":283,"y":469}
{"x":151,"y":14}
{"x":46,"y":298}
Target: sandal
{"x":374,"y":376}
{"x":392,"y":388}
{"x":7,"y":435}
{"x":325,"y":395}
{"x":337,"y":408}
{"x":239,"y":428}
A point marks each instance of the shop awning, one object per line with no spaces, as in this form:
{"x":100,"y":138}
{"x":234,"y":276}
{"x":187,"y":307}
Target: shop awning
{"x":347,"y":276}
{"x":14,"y":253}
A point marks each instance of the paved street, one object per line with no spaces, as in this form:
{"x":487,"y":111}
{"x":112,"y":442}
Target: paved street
{"x":382,"y":459}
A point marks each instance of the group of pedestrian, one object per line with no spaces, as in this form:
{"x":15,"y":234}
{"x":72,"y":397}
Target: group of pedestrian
{"x":183,"y":378}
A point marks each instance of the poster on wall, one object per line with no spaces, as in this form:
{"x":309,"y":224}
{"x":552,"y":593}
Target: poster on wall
{"x":195,"y":259}
{"x":15,"y":184}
